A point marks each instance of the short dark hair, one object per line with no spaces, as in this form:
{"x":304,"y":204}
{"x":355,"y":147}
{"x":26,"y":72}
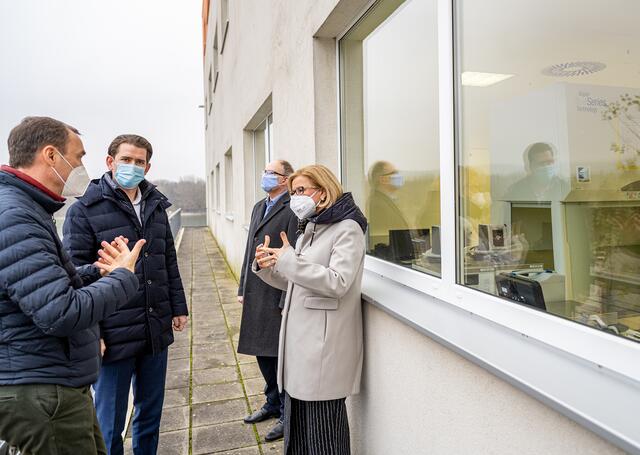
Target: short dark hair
{"x":34,"y":133}
{"x":538,"y":148}
{"x":131,"y":139}
{"x":286,"y":166}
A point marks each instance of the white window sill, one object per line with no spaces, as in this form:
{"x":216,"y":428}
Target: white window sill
{"x":581,"y":372}
{"x":229,"y":216}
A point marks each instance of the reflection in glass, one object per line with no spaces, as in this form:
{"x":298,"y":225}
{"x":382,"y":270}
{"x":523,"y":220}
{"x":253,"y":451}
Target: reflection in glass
{"x":549,"y":157}
{"x":390,"y":142}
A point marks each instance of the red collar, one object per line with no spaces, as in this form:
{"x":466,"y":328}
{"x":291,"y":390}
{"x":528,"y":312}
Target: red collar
{"x":30,"y":180}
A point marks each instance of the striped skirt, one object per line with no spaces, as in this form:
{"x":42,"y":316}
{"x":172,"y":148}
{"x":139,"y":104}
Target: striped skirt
{"x":316,"y":427}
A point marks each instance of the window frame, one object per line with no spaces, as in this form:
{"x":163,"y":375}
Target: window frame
{"x":600,"y":358}
{"x":228,"y":185}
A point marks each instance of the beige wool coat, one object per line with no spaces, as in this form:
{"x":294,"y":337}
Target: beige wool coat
{"x":320,"y":348}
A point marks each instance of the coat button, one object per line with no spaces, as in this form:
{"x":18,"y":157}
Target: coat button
{"x":148,"y":281}
{"x":146,"y":254}
{"x":150,"y":310}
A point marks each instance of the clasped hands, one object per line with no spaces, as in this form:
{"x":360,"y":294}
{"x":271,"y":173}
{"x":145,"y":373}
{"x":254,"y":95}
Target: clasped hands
{"x":117,"y":254}
{"x":268,"y":257}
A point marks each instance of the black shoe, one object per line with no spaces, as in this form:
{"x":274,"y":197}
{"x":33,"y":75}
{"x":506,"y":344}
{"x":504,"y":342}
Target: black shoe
{"x":277,"y":432}
{"x":260,"y":415}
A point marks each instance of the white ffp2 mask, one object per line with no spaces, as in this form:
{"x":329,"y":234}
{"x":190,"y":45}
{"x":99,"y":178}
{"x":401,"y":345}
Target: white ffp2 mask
{"x":303,"y":206}
{"x":77,"y":181}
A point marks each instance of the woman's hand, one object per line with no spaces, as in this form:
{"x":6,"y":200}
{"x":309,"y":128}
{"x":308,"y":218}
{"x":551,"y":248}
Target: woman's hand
{"x":268,"y":257}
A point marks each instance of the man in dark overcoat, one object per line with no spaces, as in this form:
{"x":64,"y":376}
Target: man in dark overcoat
{"x":262,"y":304}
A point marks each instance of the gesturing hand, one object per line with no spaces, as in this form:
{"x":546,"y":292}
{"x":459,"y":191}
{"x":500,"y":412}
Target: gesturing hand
{"x":267,"y":257}
{"x":113,"y":244}
{"x":118,"y":255}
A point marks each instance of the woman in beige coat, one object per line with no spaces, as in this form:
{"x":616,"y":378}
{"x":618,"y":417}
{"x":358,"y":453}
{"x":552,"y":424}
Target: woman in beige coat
{"x":321,"y":334}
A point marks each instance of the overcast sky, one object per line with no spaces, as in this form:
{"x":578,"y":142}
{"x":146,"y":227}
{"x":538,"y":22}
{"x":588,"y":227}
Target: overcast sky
{"x":108,"y":68}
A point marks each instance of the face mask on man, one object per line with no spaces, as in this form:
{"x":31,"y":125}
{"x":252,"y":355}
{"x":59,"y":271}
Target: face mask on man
{"x":545,"y":173}
{"x":303,"y":206}
{"x":77,"y":181}
{"x":269,"y":182}
{"x":129,"y":176}
{"x":396,"y":180}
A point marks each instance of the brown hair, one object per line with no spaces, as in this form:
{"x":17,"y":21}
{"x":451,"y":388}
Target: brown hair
{"x":34,"y":133}
{"x":286,"y":166}
{"x":324,"y":179}
{"x":131,"y":139}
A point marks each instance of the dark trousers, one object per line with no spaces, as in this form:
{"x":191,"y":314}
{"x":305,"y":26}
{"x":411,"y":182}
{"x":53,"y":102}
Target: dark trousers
{"x":148,"y":373}
{"x":50,"y":419}
{"x":316,"y":427}
{"x":269,"y":369}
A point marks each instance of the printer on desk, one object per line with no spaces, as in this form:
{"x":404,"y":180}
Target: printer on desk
{"x":535,"y":289}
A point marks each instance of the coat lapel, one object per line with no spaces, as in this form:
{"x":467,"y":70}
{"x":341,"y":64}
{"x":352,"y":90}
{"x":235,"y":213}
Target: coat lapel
{"x":282,"y":203}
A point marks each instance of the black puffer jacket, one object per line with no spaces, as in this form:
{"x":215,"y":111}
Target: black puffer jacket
{"x":143,"y":324}
{"x":49,"y":312}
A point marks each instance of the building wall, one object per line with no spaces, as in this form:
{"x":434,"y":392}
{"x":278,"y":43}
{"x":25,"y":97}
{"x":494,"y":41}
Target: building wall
{"x":418,"y":396}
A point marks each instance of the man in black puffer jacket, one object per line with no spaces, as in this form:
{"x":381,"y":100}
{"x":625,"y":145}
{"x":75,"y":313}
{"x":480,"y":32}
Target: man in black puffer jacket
{"x":49,"y":310}
{"x":136,"y":336}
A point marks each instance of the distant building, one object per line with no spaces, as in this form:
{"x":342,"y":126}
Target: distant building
{"x":428,"y":110}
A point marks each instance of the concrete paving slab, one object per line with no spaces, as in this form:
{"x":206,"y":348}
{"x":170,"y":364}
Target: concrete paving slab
{"x":217,"y":392}
{"x":177,"y":379}
{"x":254,"y":386}
{"x":175,"y":419}
{"x":250,"y":370}
{"x":176,"y":397}
{"x":215,"y":375}
{"x":225,"y":436}
{"x":218,"y":412}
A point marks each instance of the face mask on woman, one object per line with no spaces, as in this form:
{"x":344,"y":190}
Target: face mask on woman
{"x":129,"y":176}
{"x":303,"y":206}
{"x":77,"y":181}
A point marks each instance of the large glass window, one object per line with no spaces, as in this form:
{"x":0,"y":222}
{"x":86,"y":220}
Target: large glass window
{"x":389,"y":119}
{"x":549,"y":156}
{"x":262,"y":154}
{"x":228,"y":184}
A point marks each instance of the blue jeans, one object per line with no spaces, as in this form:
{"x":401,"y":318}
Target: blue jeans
{"x":148,"y":373}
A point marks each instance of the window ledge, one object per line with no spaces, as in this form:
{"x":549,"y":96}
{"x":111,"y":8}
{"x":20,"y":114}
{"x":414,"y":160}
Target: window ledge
{"x":229,"y":216}
{"x":458,"y":318}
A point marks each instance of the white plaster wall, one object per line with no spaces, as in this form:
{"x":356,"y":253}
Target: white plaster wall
{"x":420,"y":398}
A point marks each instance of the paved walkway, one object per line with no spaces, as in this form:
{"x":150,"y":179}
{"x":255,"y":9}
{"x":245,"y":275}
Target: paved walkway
{"x":210,"y":387}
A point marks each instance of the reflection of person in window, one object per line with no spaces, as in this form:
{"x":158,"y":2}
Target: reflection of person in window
{"x":542,"y":182}
{"x":382,"y":209}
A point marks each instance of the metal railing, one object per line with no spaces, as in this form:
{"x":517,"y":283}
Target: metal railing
{"x":175,"y":221}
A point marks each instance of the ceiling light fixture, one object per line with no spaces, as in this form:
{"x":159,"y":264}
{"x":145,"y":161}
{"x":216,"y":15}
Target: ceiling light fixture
{"x":573,"y":69}
{"x":475,"y":79}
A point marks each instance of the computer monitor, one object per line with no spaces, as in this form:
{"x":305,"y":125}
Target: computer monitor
{"x":401,"y":245}
{"x":492,"y":237}
{"x":520,"y":289}
{"x":408,"y":244}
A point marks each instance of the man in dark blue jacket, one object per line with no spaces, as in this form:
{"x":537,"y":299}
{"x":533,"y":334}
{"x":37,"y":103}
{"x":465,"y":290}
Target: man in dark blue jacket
{"x":49,"y":310}
{"x":137,"y":335}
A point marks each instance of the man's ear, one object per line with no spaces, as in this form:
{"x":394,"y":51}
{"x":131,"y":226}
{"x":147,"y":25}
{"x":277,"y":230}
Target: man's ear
{"x":48,"y":154}
{"x":147,"y":167}
{"x":110,"y":163}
